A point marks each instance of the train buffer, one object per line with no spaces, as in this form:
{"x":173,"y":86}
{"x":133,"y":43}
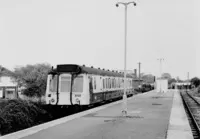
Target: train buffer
{"x":151,"y":115}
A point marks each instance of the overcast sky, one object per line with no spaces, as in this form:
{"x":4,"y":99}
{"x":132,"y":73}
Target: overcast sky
{"x":91,"y":32}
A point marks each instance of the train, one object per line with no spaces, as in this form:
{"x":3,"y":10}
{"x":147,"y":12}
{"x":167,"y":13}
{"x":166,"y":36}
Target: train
{"x":72,"y":84}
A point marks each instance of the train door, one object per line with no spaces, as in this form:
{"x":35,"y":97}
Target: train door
{"x":64,"y":89}
{"x":66,"y":82}
{"x":90,"y":88}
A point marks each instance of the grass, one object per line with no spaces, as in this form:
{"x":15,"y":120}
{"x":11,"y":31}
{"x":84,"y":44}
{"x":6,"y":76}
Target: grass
{"x":18,"y":114}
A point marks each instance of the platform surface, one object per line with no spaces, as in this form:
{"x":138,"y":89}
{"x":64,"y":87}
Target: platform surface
{"x":179,"y":127}
{"x":148,"y":118}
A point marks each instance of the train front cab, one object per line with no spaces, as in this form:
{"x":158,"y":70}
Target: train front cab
{"x":58,"y":90}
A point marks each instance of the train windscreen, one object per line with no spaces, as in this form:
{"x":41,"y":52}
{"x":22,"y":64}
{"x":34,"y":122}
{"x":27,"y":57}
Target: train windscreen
{"x":66,"y":84}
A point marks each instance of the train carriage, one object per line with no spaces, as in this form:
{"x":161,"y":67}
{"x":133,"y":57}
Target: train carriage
{"x":79,"y":85}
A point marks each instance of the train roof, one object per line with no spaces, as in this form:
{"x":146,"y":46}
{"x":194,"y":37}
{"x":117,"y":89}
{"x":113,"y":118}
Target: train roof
{"x":73,"y":68}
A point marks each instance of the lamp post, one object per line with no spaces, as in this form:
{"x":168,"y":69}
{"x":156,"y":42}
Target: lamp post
{"x":160,"y":59}
{"x":124,"y":111}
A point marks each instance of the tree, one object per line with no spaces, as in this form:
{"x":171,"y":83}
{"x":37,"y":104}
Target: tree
{"x":195,"y":81}
{"x":172,"y":80}
{"x":166,"y":76}
{"x":33,"y":78}
{"x":148,"y":78}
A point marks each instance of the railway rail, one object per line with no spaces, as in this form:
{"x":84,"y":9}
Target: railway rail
{"x":192,"y":108}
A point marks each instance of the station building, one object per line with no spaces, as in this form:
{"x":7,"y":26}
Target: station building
{"x":161,"y":85}
{"x":8,"y":87}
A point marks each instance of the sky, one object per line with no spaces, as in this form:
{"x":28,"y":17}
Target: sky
{"x":91,"y":32}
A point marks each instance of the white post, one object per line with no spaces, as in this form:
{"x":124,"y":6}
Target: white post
{"x":160,"y":77}
{"x":124,"y":111}
{"x":160,"y":60}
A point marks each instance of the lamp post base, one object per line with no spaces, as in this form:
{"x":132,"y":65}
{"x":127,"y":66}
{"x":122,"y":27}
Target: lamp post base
{"x":124,"y":106}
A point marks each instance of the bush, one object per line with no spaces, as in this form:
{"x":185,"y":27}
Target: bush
{"x":195,"y":81}
{"x":20,"y":114}
{"x":198,"y":90}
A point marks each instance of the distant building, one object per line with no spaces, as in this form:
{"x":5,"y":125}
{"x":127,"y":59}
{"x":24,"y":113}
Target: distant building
{"x":179,"y":85}
{"x":161,"y":85}
{"x":130,"y":72}
{"x":8,"y":88}
{"x":137,"y":82}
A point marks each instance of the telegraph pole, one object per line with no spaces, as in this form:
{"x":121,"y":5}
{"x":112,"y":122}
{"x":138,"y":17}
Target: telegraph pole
{"x":160,"y":59}
{"x":139,"y":72}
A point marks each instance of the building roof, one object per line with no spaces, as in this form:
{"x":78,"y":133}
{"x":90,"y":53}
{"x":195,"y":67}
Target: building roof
{"x":5,"y":72}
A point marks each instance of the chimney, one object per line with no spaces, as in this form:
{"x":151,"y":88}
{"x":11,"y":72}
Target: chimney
{"x":135,"y":72}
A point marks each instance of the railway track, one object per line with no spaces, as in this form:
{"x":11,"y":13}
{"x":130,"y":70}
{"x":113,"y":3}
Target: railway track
{"x":192,"y":108}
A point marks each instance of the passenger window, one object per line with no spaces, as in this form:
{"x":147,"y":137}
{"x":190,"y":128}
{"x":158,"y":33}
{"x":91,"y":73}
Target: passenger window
{"x":109,"y":83}
{"x":113,"y":83}
{"x":106,"y":83}
{"x":94,"y":78}
{"x":113,"y":86}
{"x":90,"y":84}
{"x":118,"y":83}
{"x":103,"y":83}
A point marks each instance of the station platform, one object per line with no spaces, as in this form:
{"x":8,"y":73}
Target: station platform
{"x":151,"y":115}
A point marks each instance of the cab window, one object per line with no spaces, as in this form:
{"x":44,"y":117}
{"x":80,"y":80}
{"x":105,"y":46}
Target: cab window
{"x":53,"y":83}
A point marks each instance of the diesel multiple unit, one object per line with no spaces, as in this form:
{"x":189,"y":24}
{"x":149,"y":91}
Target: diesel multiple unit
{"x":80,"y":85}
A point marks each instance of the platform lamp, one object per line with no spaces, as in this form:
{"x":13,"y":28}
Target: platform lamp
{"x":124,"y":111}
